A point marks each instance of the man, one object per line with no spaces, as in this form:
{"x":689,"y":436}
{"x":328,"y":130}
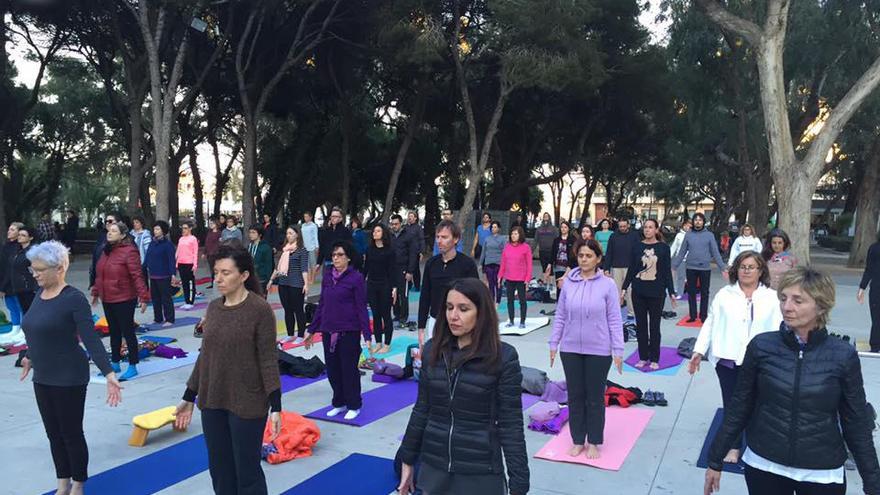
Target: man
{"x":699,"y":248}
{"x":270,"y":231}
{"x":71,"y":229}
{"x":679,"y":274}
{"x":484,"y":230}
{"x":545,"y":234}
{"x":334,"y":232}
{"x":46,"y":229}
{"x":621,"y":246}
{"x":415,"y":230}
{"x":871,"y":276}
{"x":445,"y":215}
{"x":310,"y":238}
{"x":407,"y":259}
{"x":440,"y":272}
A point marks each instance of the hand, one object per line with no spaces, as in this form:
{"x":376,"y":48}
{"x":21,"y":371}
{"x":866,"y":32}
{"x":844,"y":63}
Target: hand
{"x":25,"y":368}
{"x":860,"y":296}
{"x":694,"y":363}
{"x":622,"y":296}
{"x":94,"y":300}
{"x":394,"y":296}
{"x":308,"y":341}
{"x":275,"y":418}
{"x":406,"y":485}
{"x":618,"y":363}
{"x":306,"y":289}
{"x":725,"y":274}
{"x":674,"y":301}
{"x":421,"y":339}
{"x":552,"y":357}
{"x":183,"y":415}
{"x":499,"y":283}
{"x":713,"y":481}
{"x":114,"y":390}
{"x":409,"y":277}
{"x":607,"y":273}
{"x":143,"y":307}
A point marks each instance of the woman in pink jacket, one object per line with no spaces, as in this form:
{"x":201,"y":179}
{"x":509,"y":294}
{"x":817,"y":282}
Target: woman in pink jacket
{"x":187,"y":264}
{"x":516,"y":269}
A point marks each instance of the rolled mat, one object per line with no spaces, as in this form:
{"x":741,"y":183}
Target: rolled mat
{"x":377,"y":404}
{"x":357,"y":473}
{"x":703,"y":460}
{"x":669,"y":358}
{"x":529,"y":400}
{"x":179,"y":322}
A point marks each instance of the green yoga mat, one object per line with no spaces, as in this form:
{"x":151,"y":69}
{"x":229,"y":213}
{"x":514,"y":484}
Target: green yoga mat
{"x":398,"y":346}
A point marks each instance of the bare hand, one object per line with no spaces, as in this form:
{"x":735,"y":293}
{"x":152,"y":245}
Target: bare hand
{"x":275,"y":418}
{"x":393,"y":296}
{"x":114,"y":390}
{"x":499,"y":283}
{"x":725,"y":274}
{"x":309,"y":340}
{"x":860,"y":296}
{"x":406,"y":485}
{"x":622,"y":296}
{"x":713,"y":481}
{"x":607,"y":273}
{"x":618,"y":363}
{"x":673,"y":301}
{"x":409,"y":277}
{"x":143,"y":307}
{"x":306,"y":289}
{"x":552,"y":357}
{"x":25,"y":368}
{"x":94,"y":300}
{"x":694,"y":363}
{"x":183,"y":415}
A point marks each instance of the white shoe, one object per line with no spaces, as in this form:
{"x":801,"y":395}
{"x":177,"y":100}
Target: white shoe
{"x":351,"y":414}
{"x":186,"y":307}
{"x":285,"y":340}
{"x":335,"y":412}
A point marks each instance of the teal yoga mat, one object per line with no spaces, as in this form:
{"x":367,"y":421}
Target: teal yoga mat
{"x":398,"y":346}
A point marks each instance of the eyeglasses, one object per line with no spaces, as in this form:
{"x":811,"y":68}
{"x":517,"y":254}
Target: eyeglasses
{"x":35,"y":271}
{"x":337,"y":255}
{"x":109,"y":221}
{"x":750,"y":268}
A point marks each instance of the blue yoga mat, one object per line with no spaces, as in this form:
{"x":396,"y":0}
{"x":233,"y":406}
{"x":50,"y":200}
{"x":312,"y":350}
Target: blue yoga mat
{"x":179,"y":322}
{"x":703,"y":461}
{"x":356,"y":474}
{"x":157,"y":339}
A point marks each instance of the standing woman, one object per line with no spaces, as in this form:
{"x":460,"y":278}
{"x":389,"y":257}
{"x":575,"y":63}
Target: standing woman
{"x":187,"y":263}
{"x":359,"y":239}
{"x":871,"y":277}
{"x":650,"y":274}
{"x":563,"y":257}
{"x":119,"y":284}
{"x":747,"y":241}
{"x":7,"y":254}
{"x":490,"y":259}
{"x":779,"y":260}
{"x":142,"y":240}
{"x":587,"y":232}
{"x":381,"y":292}
{"x":161,"y":268}
{"x":588,"y":331}
{"x":740,"y":311}
{"x":516,"y":269}
{"x":261,"y":252}
{"x":212,"y":244}
{"x":800,"y":398}
{"x":21,"y":282}
{"x":469,"y":411}
{"x":341,"y":316}
{"x":292,"y":277}
{"x":604,"y":233}
{"x":61,"y":320}
{"x":234,"y":400}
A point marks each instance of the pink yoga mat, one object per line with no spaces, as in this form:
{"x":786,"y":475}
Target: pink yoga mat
{"x":669,"y":358}
{"x":290,"y":345}
{"x":623,"y":426}
{"x":684,"y":323}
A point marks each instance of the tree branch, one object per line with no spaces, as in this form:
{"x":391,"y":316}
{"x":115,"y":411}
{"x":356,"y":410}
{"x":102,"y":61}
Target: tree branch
{"x":723,"y":17}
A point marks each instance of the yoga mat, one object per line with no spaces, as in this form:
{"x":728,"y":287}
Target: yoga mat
{"x":290,"y":383}
{"x":398,"y":346}
{"x":179,"y":322}
{"x":378,"y":403}
{"x":673,"y":371}
{"x":156,"y":365}
{"x":356,"y":474}
{"x":290,"y":345}
{"x":703,"y":460}
{"x":157,"y":339}
{"x":623,"y":426}
{"x":684,"y":323}
{"x":203,"y":280}
{"x":15,"y":349}
{"x":532,"y":324}
{"x":668,"y":358}
{"x":529,"y":400}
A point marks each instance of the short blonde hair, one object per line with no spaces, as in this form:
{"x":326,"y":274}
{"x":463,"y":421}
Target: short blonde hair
{"x":816,"y":284}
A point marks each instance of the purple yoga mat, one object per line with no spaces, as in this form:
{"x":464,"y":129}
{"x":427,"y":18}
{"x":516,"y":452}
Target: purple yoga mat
{"x":378,"y":403}
{"x":289,"y":383}
{"x":669,"y":358}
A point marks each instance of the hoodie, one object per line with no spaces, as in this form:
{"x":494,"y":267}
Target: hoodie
{"x":587,"y":317}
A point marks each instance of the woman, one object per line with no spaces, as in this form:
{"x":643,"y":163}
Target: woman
{"x":261,"y":252}
{"x":468,"y":412}
{"x":650,"y":274}
{"x":60,"y":321}
{"x":871,"y":276}
{"x":231,"y":234}
{"x":142,"y":240}
{"x":588,"y":331}
{"x":161,"y":267}
{"x":10,"y":249}
{"x":562,"y":255}
{"x":381,"y":293}
{"x":234,"y":400}
{"x":800,"y":399}
{"x":779,"y":260}
{"x":516,"y":269}
{"x":292,"y":277}
{"x":740,"y":311}
{"x":604,"y":233}
{"x":119,"y":284}
{"x":587,"y":232}
{"x":187,"y":258}
{"x":212,"y":244}
{"x":341,"y":315}
{"x":745,"y":242}
{"x":21,"y":282}
{"x":359,"y":239}
{"x":490,"y":259}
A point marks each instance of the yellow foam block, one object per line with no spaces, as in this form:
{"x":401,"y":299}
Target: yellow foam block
{"x":155,"y":419}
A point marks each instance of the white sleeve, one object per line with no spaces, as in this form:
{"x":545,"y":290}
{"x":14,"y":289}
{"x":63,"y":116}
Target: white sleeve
{"x":734,"y":251}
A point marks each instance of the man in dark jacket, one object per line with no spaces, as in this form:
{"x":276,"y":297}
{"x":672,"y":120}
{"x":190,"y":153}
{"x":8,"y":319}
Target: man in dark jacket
{"x":334,"y":232}
{"x":407,"y":258}
{"x":100,"y":242}
{"x":414,"y":229}
{"x":71,"y":229}
{"x":621,"y":246}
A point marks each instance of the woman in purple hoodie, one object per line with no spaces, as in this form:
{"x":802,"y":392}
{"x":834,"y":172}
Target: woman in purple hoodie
{"x":588,"y":332}
{"x":340,"y":316}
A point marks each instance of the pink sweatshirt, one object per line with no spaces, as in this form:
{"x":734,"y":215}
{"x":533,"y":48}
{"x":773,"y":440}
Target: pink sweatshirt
{"x":516,"y":262}
{"x":188,"y":251}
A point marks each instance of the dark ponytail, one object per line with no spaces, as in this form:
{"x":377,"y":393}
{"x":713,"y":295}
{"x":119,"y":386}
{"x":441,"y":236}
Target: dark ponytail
{"x":244,"y":262}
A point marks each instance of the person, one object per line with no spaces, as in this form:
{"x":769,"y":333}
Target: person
{"x":292,"y":277}
{"x":358,"y":239}
{"x":588,"y":332}
{"x":746,"y":241}
{"x":800,"y":398}
{"x":142,"y":239}
{"x":680,"y":273}
{"x":604,"y":234}
{"x":446,"y":214}
{"x":100,"y":244}
{"x":270,"y":232}
{"x":60,"y":321}
{"x":328,"y":237}
{"x":45,"y":229}
{"x":650,"y":276}
{"x":161,"y":266}
{"x":414,"y":228}
{"x":187,"y":259}
{"x":545,"y":234}
{"x":490,"y":259}
{"x":562,"y":256}
{"x":7,"y":254}
{"x":71,"y":229}
{"x":234,"y":400}
{"x":727,"y":332}
{"x":699,"y":248}
{"x":470,"y":383}
{"x":484,"y":230}
{"x":381,"y":292}
{"x":341,"y":316}
{"x":231,"y":234}
{"x":619,"y":256}
{"x":212,"y":244}
{"x":119,"y":285}
{"x":440,"y":272}
{"x":261,"y":251}
{"x":516,"y":271}
{"x":310,"y":238}
{"x":779,"y":259}
{"x":406,"y":256}
{"x":871,"y":276}
{"x":21,"y":281}
{"x":587,"y":232}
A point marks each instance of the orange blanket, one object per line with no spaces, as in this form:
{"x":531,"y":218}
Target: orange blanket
{"x":298,"y":436}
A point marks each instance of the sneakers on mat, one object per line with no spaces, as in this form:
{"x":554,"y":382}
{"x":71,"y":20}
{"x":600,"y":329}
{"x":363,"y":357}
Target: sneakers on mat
{"x":522,"y":325}
{"x":332,"y":413}
{"x":352,"y":414}
{"x":509,"y":325}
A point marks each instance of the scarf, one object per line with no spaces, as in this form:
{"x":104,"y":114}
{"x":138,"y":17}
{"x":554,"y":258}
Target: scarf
{"x":284,"y":260}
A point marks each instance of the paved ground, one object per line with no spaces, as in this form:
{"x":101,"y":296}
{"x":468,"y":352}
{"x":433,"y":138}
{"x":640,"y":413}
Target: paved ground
{"x":662,"y":462}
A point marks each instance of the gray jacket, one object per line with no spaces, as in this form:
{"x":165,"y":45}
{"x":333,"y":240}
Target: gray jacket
{"x":700,"y":248}
{"x":545,"y":235}
{"x":492,"y":250}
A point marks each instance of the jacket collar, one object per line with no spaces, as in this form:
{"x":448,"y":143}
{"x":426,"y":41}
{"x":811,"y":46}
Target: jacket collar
{"x":817,"y":337}
{"x":575,"y":275}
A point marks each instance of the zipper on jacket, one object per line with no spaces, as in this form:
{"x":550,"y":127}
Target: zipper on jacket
{"x":794,"y":410}
{"x":451,"y":410}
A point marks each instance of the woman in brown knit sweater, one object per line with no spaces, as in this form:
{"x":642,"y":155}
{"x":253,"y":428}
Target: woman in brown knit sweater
{"x":234,"y":400}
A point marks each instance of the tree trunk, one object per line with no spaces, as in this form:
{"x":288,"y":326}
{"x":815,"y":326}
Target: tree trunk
{"x":199,"y":189}
{"x":412,"y":126}
{"x":867,"y":209}
{"x":136,"y":172}
{"x":588,"y":199}
{"x":347,"y":131}
{"x":55,"y":168}
{"x":758,"y":198}
{"x":248,"y":190}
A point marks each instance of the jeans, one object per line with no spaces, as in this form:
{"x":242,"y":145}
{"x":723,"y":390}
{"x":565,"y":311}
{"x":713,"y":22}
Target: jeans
{"x":62,"y":411}
{"x":727,"y":379}
{"x":379,"y":297}
{"x":520,"y":289}
{"x":120,"y":321}
{"x":585,"y":375}
{"x":234,"y":446}
{"x":647,"y":311}
{"x":188,"y":280}
{"x":703,"y":276}
{"x":163,"y":299}
{"x":293,"y":302}
{"x":763,"y":483}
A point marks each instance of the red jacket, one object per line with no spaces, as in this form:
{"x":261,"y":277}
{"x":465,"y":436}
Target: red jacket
{"x":118,"y":276}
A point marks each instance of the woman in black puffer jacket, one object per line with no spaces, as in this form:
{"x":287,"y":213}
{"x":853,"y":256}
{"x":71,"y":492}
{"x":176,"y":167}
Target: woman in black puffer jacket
{"x":469,"y":408}
{"x":801,"y":401}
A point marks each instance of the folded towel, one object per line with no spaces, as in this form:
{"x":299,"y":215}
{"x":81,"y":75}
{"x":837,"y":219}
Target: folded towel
{"x":554,"y":425}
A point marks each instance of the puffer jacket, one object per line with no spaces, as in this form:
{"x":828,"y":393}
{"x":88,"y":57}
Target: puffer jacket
{"x":798,"y":406}
{"x":118,"y":274}
{"x":7,"y":253}
{"x":462,"y":423}
{"x":20,"y":278}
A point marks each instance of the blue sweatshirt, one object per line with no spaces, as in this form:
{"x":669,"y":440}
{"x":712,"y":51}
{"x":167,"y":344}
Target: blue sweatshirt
{"x":160,"y":260}
{"x":700,"y":248}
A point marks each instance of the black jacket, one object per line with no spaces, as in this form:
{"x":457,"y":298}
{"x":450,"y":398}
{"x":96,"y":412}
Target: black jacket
{"x":406,"y":251}
{"x":871,"y":275}
{"x":798,"y":405}
{"x":462,"y":422}
{"x":100,"y":243}
{"x":554,"y":251}
{"x":20,"y":278}
{"x":329,"y":236}
{"x":7,"y":253}
{"x":620,"y":249}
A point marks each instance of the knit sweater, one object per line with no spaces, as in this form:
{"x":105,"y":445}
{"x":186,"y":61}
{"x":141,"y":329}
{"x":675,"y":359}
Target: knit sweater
{"x":237,"y":368}
{"x":516,"y":263}
{"x":160,"y":261}
{"x":621,"y":246}
{"x":492,"y":249}
{"x":188,"y":251}
{"x":650,"y":272}
{"x":587,"y":317}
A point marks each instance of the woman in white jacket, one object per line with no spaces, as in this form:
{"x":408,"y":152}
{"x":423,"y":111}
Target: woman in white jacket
{"x":747,"y":241}
{"x":741,"y":310}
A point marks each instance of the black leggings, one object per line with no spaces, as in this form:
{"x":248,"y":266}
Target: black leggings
{"x":120,"y":321}
{"x":62,"y":411}
{"x":585,"y":375}
{"x":188,"y":280}
{"x":874,"y":304}
{"x":379,"y":297}
{"x":234,"y":445}
{"x":703,"y":276}
{"x":520,"y":288}
{"x":647,"y":311}
{"x":293,"y":301}
{"x":763,"y":483}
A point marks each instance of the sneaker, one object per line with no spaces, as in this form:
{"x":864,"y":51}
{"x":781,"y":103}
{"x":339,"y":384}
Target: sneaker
{"x":691,"y":320}
{"x":509,"y":325}
{"x":522,"y":325}
{"x":168,"y":324}
{"x":649,"y":399}
{"x":186,"y":307}
{"x":351,"y":414}
{"x":332,"y":413}
{"x":660,"y":399}
{"x":130,"y":373}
